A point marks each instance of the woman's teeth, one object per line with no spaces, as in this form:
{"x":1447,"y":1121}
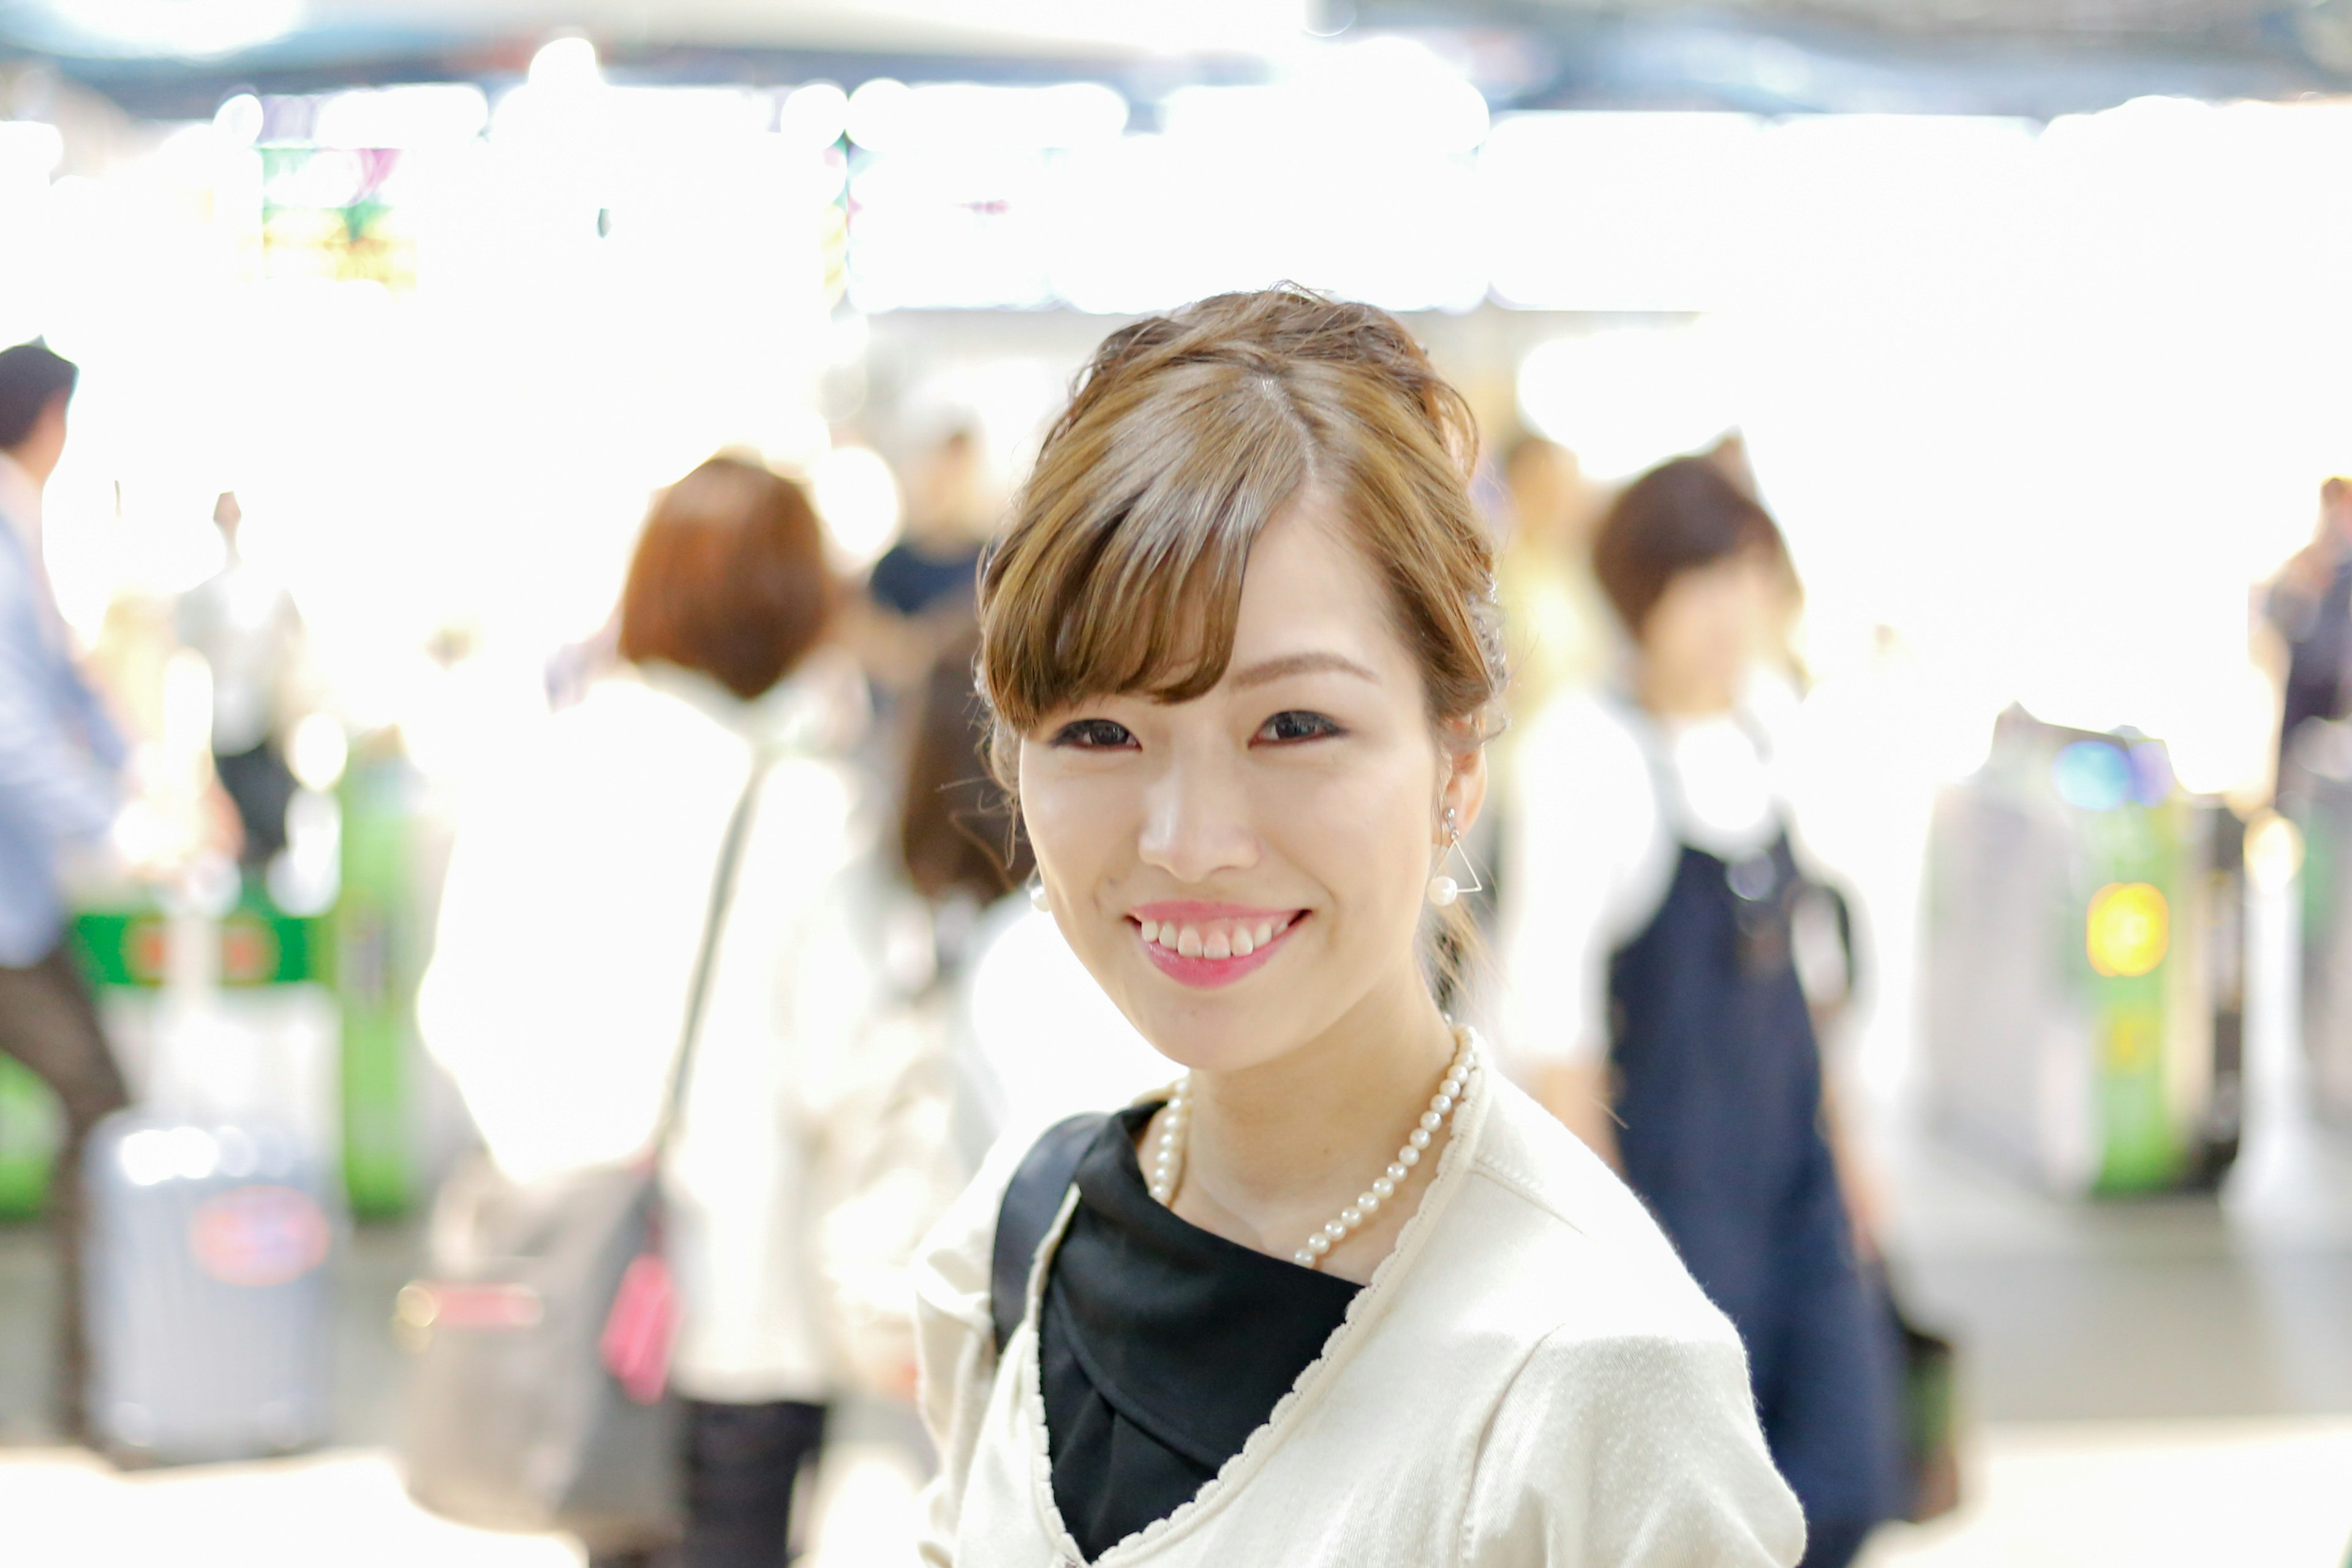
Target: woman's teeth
{"x":1217,"y":939}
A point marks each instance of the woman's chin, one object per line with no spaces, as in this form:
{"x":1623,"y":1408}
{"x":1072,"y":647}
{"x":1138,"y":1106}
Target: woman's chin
{"x":1220,"y":1032}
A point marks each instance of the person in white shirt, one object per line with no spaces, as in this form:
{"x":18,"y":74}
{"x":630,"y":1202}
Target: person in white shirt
{"x":245,"y":623}
{"x":800,"y":1175}
{"x":1650,"y":913}
{"x":1343,"y":1295}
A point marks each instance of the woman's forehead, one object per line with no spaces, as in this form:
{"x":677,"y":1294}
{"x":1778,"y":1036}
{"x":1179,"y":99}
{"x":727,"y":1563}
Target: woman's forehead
{"x":1309,"y":592}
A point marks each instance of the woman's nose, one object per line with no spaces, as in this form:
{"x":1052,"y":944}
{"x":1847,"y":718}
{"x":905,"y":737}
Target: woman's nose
{"x":1197,"y":822}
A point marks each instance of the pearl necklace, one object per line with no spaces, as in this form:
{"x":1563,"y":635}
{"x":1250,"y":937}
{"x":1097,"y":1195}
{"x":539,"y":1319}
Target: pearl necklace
{"x":1167,"y":1156}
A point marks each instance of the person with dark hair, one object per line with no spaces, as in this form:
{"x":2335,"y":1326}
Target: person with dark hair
{"x":952,"y":503}
{"x":1652,"y":990}
{"x":575,"y":905}
{"x":2308,"y":610}
{"x":1033,"y":1039}
{"x":61,"y":762}
{"x":957,"y":838}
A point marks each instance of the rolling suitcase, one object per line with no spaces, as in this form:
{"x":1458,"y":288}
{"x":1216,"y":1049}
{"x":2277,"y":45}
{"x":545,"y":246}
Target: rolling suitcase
{"x":211,"y":1223}
{"x":207,"y":1307}
{"x":2087,"y":963}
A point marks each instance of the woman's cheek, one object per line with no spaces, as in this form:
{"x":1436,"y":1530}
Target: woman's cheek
{"x":1355,"y":836}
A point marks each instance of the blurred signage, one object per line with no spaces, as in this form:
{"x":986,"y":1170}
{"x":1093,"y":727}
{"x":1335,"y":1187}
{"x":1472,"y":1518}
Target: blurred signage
{"x":325,"y":216}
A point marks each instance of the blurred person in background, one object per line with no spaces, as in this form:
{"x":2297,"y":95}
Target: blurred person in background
{"x":61,"y":762}
{"x":1558,"y":625}
{"x":2308,"y":608}
{"x":918,"y":595}
{"x":1343,"y":1295}
{"x":1558,"y":629}
{"x":1032,"y":1039}
{"x":244,"y":622}
{"x":952,"y":506}
{"x":574,"y":904}
{"x":1652,"y":986}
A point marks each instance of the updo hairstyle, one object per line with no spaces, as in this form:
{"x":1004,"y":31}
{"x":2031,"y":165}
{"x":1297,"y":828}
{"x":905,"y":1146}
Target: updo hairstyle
{"x":1122,"y":569}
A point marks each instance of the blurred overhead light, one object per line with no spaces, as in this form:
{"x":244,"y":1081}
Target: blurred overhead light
{"x":876,"y":111}
{"x":239,"y":119}
{"x":813,"y":116}
{"x":565,"y":63}
{"x":194,"y":27}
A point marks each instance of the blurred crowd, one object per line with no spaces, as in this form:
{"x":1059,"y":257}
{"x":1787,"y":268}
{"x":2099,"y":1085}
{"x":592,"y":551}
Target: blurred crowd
{"x":876,"y":1002}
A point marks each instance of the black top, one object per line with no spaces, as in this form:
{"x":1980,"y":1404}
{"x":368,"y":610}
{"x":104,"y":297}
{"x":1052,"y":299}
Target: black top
{"x":909,"y":579}
{"x":1163,"y":1347}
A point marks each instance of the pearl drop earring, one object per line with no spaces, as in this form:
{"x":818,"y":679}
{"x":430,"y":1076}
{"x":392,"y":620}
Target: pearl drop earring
{"x":1037,"y":899}
{"x":1442,"y":889}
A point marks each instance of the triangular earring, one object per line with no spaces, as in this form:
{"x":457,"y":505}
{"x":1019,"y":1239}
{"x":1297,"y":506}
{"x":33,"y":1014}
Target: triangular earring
{"x":1442,"y":889}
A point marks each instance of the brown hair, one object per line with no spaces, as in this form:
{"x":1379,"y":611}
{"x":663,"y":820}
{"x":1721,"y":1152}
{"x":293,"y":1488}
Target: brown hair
{"x":729,"y":578}
{"x":1122,"y":569}
{"x":1680,"y":516}
{"x":957,"y":832}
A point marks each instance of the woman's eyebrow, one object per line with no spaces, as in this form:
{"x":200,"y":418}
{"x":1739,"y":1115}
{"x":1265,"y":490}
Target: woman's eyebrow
{"x":1301,"y":664}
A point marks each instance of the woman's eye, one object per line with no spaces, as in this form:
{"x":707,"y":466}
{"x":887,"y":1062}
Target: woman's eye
{"x":1297,"y":724}
{"x":1094,"y":735}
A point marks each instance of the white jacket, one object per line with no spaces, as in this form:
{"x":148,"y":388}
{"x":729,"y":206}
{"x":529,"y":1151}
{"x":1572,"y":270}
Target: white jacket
{"x":1531,"y":1378}
{"x":558,"y":988}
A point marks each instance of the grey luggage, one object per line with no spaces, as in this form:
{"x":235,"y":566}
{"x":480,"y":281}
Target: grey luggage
{"x":208,"y":1303}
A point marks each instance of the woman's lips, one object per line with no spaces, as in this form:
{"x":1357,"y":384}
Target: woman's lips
{"x":1209,"y":945}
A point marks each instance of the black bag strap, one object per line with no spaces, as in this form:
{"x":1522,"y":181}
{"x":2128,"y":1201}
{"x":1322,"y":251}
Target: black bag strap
{"x":1027,"y":1213}
{"x":714,"y":921}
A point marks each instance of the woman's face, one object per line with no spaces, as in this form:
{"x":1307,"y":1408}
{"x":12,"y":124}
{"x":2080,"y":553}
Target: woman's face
{"x":1243,"y":871}
{"x":1710,"y":625}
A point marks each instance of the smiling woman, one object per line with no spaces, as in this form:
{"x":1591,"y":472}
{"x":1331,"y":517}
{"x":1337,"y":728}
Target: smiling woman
{"x":1370,"y":1304}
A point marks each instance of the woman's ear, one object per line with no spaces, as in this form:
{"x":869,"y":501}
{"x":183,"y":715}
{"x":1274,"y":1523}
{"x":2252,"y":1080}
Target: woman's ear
{"x":1463,"y":753}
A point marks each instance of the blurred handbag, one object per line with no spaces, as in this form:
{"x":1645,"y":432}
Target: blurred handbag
{"x":1930,"y":1418}
{"x":540,"y":1337}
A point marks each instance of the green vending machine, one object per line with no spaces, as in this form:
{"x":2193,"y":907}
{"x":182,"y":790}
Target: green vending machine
{"x":2085,"y":967}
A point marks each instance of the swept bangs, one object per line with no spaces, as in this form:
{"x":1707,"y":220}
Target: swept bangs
{"x":1122,"y":571}
{"x":1139,"y":536}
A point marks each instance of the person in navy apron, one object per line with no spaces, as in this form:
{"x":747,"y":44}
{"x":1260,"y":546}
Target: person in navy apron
{"x":1652,"y":983}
